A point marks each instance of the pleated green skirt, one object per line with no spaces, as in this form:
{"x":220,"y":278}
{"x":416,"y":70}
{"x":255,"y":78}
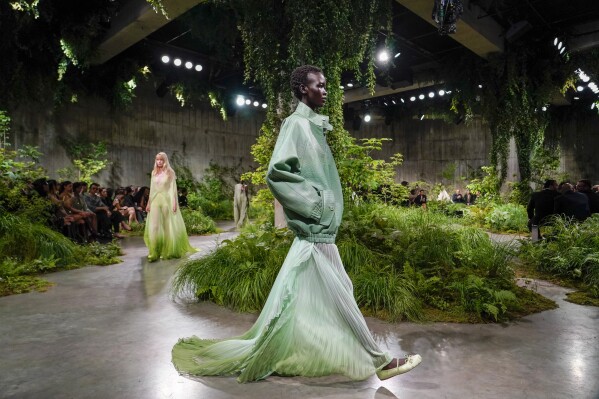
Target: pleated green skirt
{"x":310,"y":326}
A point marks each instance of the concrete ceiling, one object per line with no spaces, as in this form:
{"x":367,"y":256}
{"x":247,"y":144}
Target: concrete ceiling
{"x":135,"y":21}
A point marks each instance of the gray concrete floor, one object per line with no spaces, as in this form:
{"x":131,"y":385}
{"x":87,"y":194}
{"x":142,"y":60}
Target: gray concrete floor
{"x":107,"y":332}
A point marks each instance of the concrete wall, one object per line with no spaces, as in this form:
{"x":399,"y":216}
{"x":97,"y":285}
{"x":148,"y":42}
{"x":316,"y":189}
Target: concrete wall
{"x":431,"y":146}
{"x":200,"y":136}
{"x":152,"y":125}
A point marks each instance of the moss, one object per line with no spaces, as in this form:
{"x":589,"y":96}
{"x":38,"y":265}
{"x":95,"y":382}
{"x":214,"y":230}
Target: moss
{"x":582,"y":298}
{"x":22,"y":284}
{"x":529,"y":302}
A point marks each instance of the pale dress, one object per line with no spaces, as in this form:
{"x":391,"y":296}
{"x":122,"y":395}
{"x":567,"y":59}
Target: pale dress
{"x":165,"y":234}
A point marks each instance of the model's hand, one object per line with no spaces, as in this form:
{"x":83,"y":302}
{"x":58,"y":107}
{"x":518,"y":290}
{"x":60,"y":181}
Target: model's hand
{"x":175,"y":208}
{"x":148,"y":208}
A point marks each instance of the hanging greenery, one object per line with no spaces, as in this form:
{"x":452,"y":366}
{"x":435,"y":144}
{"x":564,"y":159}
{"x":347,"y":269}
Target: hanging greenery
{"x":280,"y":36}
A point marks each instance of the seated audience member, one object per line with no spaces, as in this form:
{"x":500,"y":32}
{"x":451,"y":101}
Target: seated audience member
{"x":570,"y":203}
{"x":78,"y":202}
{"x":412,"y":197}
{"x":115,"y":217}
{"x":541,"y":204}
{"x":457,"y":197}
{"x":127,"y":205}
{"x":469,"y":198}
{"x":595,"y":189}
{"x":60,"y":218}
{"x":584,"y":186}
{"x":444,"y":196}
{"x":117,"y":206}
{"x":103,"y":213}
{"x":141,"y":201}
{"x":420,"y":199}
{"x":183,"y":197}
{"x":80,"y":218}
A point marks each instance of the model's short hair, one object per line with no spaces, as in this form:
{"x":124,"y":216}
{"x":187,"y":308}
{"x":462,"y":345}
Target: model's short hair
{"x":299,"y":77}
{"x":549,"y":183}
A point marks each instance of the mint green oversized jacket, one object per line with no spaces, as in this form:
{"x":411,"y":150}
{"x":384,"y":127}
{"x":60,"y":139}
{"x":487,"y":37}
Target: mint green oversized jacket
{"x":303,"y":177}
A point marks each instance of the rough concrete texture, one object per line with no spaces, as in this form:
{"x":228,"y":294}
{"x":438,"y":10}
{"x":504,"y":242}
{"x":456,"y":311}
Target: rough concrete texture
{"x":107,"y":332}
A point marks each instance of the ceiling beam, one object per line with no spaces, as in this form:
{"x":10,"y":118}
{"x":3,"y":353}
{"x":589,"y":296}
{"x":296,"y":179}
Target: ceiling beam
{"x":483,"y":36}
{"x":136,"y":20}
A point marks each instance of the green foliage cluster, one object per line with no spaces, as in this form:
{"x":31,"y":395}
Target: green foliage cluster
{"x":88,"y":159}
{"x":270,"y":56}
{"x":570,"y":250}
{"x":404,"y":263}
{"x":507,"y":218}
{"x":196,"y":222}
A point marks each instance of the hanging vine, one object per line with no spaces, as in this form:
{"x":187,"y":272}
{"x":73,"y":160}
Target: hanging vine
{"x":335,"y":35}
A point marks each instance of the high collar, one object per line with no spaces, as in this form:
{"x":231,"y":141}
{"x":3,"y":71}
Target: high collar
{"x":317,"y":119}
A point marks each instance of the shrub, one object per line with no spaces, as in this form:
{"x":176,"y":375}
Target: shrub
{"x":507,"y":218}
{"x":196,"y":222}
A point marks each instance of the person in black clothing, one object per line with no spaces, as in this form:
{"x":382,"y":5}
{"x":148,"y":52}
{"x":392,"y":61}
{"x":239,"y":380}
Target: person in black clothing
{"x":571,"y":204}
{"x":420,"y":199}
{"x":457,"y":198}
{"x":584,"y":186}
{"x":541,"y":204}
{"x":183,"y":198}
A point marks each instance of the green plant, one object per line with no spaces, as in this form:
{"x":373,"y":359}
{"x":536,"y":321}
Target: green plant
{"x":507,"y":218}
{"x":196,"y":222}
{"x":88,"y":159}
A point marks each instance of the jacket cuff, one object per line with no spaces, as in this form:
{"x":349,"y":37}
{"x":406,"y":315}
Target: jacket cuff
{"x":317,"y":211}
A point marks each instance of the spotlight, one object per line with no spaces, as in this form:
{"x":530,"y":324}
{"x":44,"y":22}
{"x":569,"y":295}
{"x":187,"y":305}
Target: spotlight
{"x":350,"y":85}
{"x":560,"y":45}
{"x":394,"y":102}
{"x":422,"y":117}
{"x":396,"y":55}
{"x":544,"y":108}
{"x":177,"y":62}
{"x":383,"y":56}
{"x":341,"y":87}
{"x":431,"y":94}
{"x":583,"y":76}
{"x":367,"y":118}
{"x":593,"y":106}
{"x":562,"y":50}
{"x":256,"y":103}
{"x":577,"y":98}
{"x":480,"y":86}
{"x":188,"y":65}
{"x":264,"y":105}
{"x":412,"y":98}
{"x":555,"y":41}
{"x":580,"y":88}
{"x":402,"y":101}
{"x":386,"y":104}
{"x":248,"y":101}
{"x":240,"y":101}
{"x":421,"y":96}
{"x":441,"y":93}
{"x":165,"y":59}
{"x":198,"y":68}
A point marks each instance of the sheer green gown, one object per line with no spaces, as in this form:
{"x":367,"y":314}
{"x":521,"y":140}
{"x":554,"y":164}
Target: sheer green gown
{"x":310,"y":326}
{"x":165,"y":234}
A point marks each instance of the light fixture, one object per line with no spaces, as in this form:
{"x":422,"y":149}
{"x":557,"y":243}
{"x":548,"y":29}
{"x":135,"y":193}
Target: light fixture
{"x":431,"y":94}
{"x":412,"y":98}
{"x":580,"y":88}
{"x":248,"y":101}
{"x":341,"y":87}
{"x":240,"y":101}
{"x":198,"y":67}
{"x":402,"y":100}
{"x":256,"y":103}
{"x":350,"y":84}
{"x":165,"y":59}
{"x":367,"y":118}
{"x":177,"y":62}
{"x":383,"y":56}
{"x":560,"y":45}
{"x":188,"y":65}
{"x":562,"y":50}
{"x":555,"y":41}
{"x":480,"y":86}
{"x":422,"y":117}
{"x":593,"y":106}
{"x":577,"y":98}
{"x":421,"y":96}
{"x":397,"y":55}
{"x":394,"y":102}
{"x":385,"y":103}
{"x":441,"y":92}
{"x":544,"y":108}
{"x":264,"y":105}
